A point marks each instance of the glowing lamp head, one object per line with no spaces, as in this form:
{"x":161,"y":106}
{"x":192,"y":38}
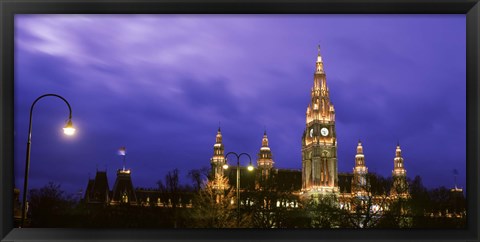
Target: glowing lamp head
{"x":69,"y":129}
{"x":250,"y":167}
{"x":225,"y":166}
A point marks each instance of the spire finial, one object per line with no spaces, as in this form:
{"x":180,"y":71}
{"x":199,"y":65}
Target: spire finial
{"x":264,"y":130}
{"x":319,"y":59}
{"x":219,"y":126}
{"x":398,"y":142}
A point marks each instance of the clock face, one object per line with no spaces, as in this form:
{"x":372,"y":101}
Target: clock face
{"x":324,"y":131}
{"x":311,"y":132}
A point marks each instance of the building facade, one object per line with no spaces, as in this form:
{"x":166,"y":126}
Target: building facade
{"x":319,"y":166}
{"x":317,"y":177}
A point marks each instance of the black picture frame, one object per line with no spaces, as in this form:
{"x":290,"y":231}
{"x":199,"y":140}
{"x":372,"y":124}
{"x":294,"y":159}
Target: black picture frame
{"x":471,"y":8}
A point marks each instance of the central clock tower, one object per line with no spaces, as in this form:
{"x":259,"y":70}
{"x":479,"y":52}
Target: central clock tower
{"x":319,"y":140}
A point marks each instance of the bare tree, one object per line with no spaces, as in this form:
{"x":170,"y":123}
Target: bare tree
{"x":198,"y":176}
{"x":270,"y":206}
{"x":365,"y":208}
{"x":213,"y":206}
{"x":170,"y":192}
{"x":323,"y":212}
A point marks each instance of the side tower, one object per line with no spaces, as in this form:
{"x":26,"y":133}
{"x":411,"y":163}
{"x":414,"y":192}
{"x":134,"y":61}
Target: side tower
{"x":265,"y":159}
{"x":123,"y":191}
{"x":218,"y":159}
{"x":98,"y":190}
{"x":319,"y":140}
{"x":399,"y":175}
{"x":359,"y":182}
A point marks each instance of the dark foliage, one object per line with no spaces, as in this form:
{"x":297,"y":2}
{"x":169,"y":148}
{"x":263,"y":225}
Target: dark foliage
{"x":49,"y":206}
{"x":266,"y":205}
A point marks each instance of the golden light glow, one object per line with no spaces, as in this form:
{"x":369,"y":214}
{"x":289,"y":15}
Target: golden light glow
{"x":250,"y":168}
{"x":225,"y":166}
{"x":69,"y":129}
{"x":124,"y":171}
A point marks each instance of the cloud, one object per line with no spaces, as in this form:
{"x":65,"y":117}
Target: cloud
{"x":159,"y":85}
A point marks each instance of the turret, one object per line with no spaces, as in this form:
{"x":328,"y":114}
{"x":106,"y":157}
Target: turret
{"x":399,"y":175}
{"x":359,"y":182}
{"x":265,"y":159}
{"x":218,"y":159}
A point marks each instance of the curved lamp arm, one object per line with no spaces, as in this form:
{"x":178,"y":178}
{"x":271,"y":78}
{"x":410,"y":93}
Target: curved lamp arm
{"x":69,"y":130}
{"x":33,"y":105}
{"x":238,"y":157}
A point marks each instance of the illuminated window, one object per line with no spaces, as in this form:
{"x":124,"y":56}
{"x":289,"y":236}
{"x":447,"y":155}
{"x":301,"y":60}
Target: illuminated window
{"x":125,"y":198}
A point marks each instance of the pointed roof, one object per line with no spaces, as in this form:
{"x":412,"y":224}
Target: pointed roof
{"x":359,"y":147}
{"x":265,"y":139}
{"x":265,"y":154}
{"x":218,"y":138}
{"x":398,"y":150}
{"x":123,"y":187}
{"x":97,"y":189}
{"x":319,"y":56}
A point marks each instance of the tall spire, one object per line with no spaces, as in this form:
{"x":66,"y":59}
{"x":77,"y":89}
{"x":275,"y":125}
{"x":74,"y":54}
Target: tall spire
{"x":320,"y":107}
{"x":319,"y":144}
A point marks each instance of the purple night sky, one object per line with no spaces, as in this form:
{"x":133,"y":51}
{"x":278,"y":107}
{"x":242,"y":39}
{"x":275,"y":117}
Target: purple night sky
{"x":160,"y":84}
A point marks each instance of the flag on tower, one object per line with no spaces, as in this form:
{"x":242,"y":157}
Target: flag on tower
{"x":122,"y":151}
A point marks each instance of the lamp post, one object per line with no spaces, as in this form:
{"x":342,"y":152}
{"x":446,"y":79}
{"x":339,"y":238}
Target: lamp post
{"x":68,"y":130}
{"x":250,"y":168}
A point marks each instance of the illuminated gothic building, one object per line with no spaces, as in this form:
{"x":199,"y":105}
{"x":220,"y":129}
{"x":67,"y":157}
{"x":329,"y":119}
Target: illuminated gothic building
{"x":98,"y":191}
{"x":319,"y":166}
{"x":317,"y":177}
{"x":319,"y":139}
{"x":268,"y":187}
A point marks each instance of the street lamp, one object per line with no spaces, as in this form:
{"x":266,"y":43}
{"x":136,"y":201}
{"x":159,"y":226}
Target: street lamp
{"x":68,"y":130}
{"x":250,"y":168}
